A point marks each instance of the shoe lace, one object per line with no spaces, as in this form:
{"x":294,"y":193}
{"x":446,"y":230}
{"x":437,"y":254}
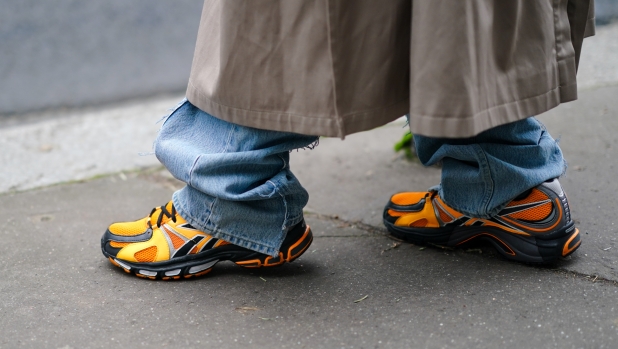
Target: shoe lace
{"x":431,"y":194}
{"x":163,"y":212}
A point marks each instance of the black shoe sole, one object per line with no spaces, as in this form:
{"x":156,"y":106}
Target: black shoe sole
{"x":526,"y":249}
{"x":297,"y":240}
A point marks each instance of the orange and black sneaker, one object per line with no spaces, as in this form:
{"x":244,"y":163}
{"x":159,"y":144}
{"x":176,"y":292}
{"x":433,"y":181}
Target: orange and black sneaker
{"x":535,"y":227}
{"x":164,"y":246}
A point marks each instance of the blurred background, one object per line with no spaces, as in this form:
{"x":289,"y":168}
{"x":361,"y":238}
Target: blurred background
{"x":70,"y":53}
{"x":606,"y":11}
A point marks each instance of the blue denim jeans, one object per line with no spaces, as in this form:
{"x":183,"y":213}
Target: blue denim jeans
{"x":481,"y":174}
{"x":239,"y":186}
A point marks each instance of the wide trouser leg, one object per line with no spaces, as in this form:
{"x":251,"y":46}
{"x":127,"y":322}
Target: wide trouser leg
{"x":239,"y":184}
{"x":481,"y":174}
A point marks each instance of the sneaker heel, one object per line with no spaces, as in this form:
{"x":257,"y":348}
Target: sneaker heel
{"x":300,"y":246}
{"x":286,"y":255}
{"x":572,"y":243}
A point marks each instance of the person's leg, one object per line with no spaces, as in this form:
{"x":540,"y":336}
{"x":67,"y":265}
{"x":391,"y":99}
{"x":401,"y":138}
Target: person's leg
{"x":241,"y":201}
{"x":239,"y":184}
{"x":499,"y":185}
{"x":481,"y":174}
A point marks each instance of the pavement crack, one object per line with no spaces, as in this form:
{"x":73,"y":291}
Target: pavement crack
{"x":343,"y":223}
{"x":594,"y":278}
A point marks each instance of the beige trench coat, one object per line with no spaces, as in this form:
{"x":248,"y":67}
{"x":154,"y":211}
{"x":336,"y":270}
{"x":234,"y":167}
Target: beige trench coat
{"x":335,"y":67}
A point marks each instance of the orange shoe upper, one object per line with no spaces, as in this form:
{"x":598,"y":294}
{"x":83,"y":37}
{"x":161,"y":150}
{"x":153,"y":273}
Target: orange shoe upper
{"x":170,"y":233}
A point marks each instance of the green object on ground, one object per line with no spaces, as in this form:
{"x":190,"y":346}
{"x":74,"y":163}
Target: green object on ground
{"x":405,"y":144}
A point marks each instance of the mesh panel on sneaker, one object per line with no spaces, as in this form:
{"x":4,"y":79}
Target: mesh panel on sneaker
{"x":535,"y":196}
{"x":420,"y":223}
{"x":176,"y":241}
{"x":533,"y":214}
{"x":129,"y":228}
{"x":116,"y":244}
{"x":146,"y":255}
{"x":443,"y":215}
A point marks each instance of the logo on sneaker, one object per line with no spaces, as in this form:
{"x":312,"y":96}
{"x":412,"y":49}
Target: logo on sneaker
{"x":178,"y":244}
{"x":519,"y":208}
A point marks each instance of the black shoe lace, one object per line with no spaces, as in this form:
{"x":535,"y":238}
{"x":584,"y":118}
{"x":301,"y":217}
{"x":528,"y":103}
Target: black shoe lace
{"x":162,"y":213}
{"x":431,"y":194}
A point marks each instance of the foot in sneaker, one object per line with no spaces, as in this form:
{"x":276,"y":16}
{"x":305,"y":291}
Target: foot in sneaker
{"x":164,"y":246}
{"x":535,"y":227}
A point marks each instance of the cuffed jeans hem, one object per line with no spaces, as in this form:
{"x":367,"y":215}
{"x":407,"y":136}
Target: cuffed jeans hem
{"x":482,"y":174}
{"x":473,"y":213}
{"x":228,"y":236}
{"x":292,"y":222}
{"x":239,"y":185}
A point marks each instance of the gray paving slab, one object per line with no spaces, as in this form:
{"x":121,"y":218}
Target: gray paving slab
{"x":40,"y":150}
{"x":59,"y":292}
{"x":599,"y":58}
{"x":588,"y":130}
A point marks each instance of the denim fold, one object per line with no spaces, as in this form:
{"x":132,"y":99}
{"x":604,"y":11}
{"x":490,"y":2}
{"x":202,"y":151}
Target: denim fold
{"x":481,"y":174}
{"x":239,"y":186}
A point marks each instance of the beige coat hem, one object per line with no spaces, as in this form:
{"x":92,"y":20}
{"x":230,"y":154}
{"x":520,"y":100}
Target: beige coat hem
{"x":336,"y":67}
{"x":496,"y":116}
{"x":455,"y":126}
{"x":289,"y":122}
{"x":427,"y":125}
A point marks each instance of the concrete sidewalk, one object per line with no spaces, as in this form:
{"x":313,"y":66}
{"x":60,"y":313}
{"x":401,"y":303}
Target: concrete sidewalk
{"x":59,"y":291}
{"x":354,"y":288}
